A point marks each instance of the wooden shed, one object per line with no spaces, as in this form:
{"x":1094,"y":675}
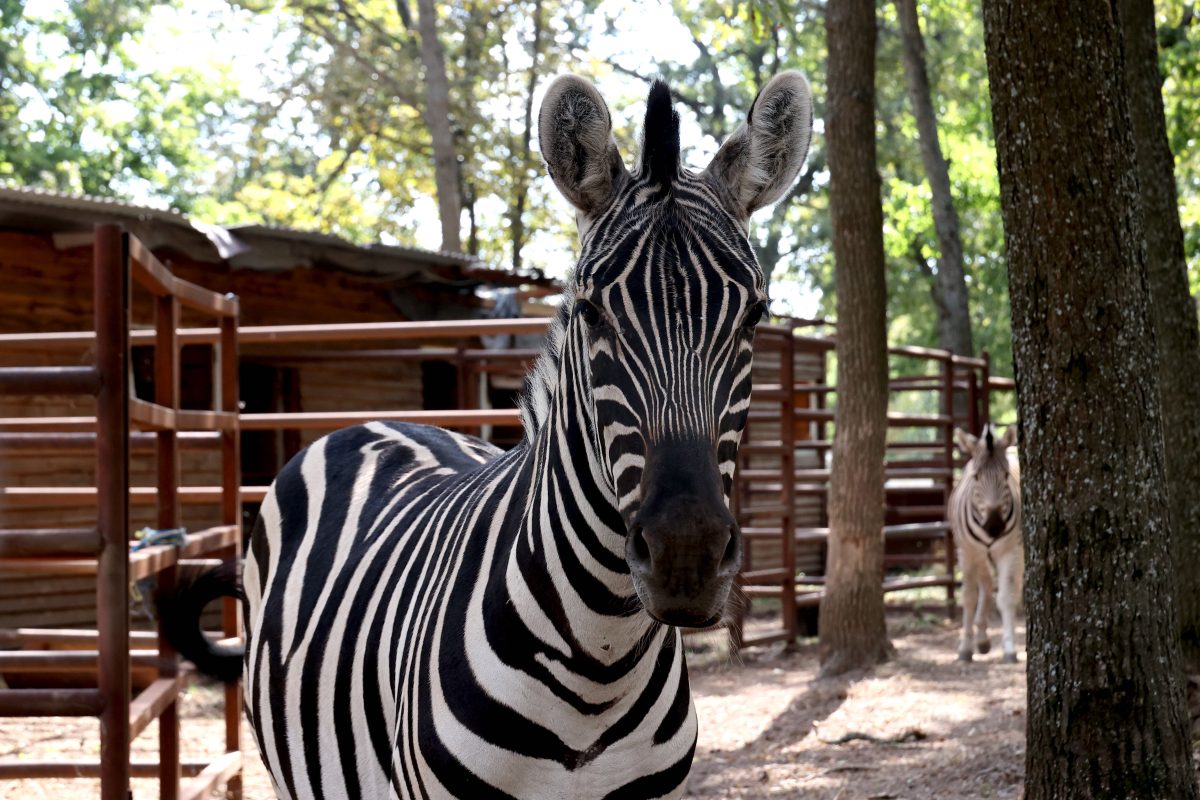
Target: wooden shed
{"x":282,"y":277}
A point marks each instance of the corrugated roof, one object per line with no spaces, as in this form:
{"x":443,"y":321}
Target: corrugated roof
{"x":331,"y":240}
{"x":29,"y":195}
{"x":250,"y":246}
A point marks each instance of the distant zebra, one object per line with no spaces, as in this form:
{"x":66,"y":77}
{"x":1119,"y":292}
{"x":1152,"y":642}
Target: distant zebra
{"x":427,"y":617}
{"x":985,"y":515}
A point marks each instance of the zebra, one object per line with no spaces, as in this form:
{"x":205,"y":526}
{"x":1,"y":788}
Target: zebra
{"x":429,"y":617}
{"x":985,"y":515}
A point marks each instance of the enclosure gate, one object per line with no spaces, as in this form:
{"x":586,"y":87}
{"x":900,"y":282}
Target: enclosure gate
{"x":920,"y":468}
{"x":105,"y":550}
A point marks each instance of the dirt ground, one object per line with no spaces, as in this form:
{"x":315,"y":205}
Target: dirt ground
{"x":922,"y":726}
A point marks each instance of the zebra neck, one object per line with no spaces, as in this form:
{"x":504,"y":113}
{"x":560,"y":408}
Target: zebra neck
{"x":571,"y":555}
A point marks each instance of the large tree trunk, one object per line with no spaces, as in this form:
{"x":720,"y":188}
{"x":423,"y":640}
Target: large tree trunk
{"x":516,"y":222}
{"x":853,"y":631}
{"x":950,"y":287}
{"x":1106,"y":708}
{"x":1172,"y":309}
{"x":437,"y":118}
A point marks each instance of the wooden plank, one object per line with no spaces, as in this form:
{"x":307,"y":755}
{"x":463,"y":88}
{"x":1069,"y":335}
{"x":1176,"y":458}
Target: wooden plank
{"x":52,"y":496}
{"x":26,"y":661}
{"x":53,"y":601}
{"x":152,"y":701}
{"x":154,"y":276}
{"x":219,"y":771}
{"x":49,"y":542}
{"x":85,"y":442}
{"x":16,"y":587}
{"x":58,"y":637}
{"x":210,"y":539}
{"x":48,"y":424}
{"x":50,"y":702}
{"x":294,"y":334}
{"x":49,"y":380}
{"x":758,"y":576}
{"x":81,"y":768}
{"x":337,"y":419}
{"x":142,"y":563}
{"x":767,"y":638}
{"x":329,"y":420}
{"x":151,"y":416}
{"x":192,"y":420}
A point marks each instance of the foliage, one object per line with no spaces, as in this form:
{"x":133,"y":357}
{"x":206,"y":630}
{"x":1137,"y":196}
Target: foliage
{"x":1179,"y":56}
{"x":328,"y":132}
{"x":343,"y":120}
{"x":79,"y":113}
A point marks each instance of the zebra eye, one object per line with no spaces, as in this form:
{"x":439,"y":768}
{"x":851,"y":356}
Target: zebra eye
{"x":590,"y":313}
{"x":754,"y":315}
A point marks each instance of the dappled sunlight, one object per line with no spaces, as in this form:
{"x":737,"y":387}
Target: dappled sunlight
{"x":922,"y":725}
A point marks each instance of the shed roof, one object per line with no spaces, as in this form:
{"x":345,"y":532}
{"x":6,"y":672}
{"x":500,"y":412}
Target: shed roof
{"x":255,"y":246}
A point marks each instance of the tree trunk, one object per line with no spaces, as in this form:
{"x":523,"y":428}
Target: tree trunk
{"x":954,"y":319}
{"x":853,"y":631}
{"x":437,"y":118}
{"x":1172,"y":310}
{"x":516,"y":220}
{"x":1106,"y":707}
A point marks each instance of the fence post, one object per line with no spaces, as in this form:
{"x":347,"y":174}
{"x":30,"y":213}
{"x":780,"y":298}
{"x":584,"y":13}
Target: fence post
{"x":231,"y":514}
{"x":111,"y":296}
{"x":787,"y":435}
{"x":948,"y":460}
{"x":166,"y":393}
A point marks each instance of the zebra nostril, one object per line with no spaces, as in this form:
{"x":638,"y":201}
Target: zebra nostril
{"x":638,"y":552}
{"x":730,"y":558}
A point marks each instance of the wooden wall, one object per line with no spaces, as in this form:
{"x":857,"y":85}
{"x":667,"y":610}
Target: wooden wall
{"x":44,"y":289}
{"x":809,"y":510}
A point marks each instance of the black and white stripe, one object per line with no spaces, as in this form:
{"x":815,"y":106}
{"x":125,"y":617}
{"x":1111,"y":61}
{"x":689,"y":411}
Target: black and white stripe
{"x":984,"y":511}
{"x":428,"y":617}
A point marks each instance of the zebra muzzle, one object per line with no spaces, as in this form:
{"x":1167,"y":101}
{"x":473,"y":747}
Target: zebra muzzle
{"x":684,"y":548}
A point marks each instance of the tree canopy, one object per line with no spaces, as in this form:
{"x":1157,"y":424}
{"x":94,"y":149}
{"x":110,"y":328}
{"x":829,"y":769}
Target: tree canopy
{"x":322,"y":125}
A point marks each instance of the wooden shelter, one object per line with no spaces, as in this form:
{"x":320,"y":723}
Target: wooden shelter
{"x":281,"y":277}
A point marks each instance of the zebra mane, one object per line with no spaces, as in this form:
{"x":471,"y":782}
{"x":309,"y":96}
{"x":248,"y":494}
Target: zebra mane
{"x":660,"y":137}
{"x":991,"y":442}
{"x":541,"y":381}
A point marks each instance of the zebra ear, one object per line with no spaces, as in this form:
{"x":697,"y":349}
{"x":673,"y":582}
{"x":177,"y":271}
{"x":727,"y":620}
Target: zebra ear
{"x":758,"y":163}
{"x":1010,"y":436}
{"x":575,"y":135}
{"x":966,"y":442}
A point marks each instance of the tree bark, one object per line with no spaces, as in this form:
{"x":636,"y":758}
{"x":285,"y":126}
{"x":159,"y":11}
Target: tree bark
{"x":516,"y":221}
{"x":1106,"y":712}
{"x":437,"y":118}
{"x":954,"y":319}
{"x":853,"y":631}
{"x":1172,"y":310}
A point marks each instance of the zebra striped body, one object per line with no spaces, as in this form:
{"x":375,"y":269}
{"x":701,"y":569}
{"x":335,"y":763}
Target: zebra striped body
{"x":427,"y":617}
{"x":400,"y":646}
{"x":985,"y":516}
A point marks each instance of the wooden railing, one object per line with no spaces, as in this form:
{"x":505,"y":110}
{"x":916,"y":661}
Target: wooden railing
{"x":104,"y":551}
{"x":765,"y":498}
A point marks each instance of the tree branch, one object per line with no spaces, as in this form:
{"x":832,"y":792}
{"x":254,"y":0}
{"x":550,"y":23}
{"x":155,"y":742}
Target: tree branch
{"x":691,"y":102}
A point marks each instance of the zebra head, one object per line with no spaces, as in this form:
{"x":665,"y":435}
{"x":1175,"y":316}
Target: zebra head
{"x":988,"y":478}
{"x":658,"y":324}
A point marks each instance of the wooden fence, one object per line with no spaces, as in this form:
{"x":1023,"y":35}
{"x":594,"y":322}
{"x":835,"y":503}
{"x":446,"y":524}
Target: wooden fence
{"x":111,"y":661}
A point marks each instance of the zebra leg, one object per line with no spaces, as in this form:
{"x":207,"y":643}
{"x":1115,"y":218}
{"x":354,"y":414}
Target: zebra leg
{"x":1011,"y":569}
{"x":969,"y":600}
{"x":983,"y":610}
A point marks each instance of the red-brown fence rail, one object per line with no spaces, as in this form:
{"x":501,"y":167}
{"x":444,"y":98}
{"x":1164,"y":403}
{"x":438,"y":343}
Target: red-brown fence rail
{"x":920,"y":463}
{"x":105,"y":549}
